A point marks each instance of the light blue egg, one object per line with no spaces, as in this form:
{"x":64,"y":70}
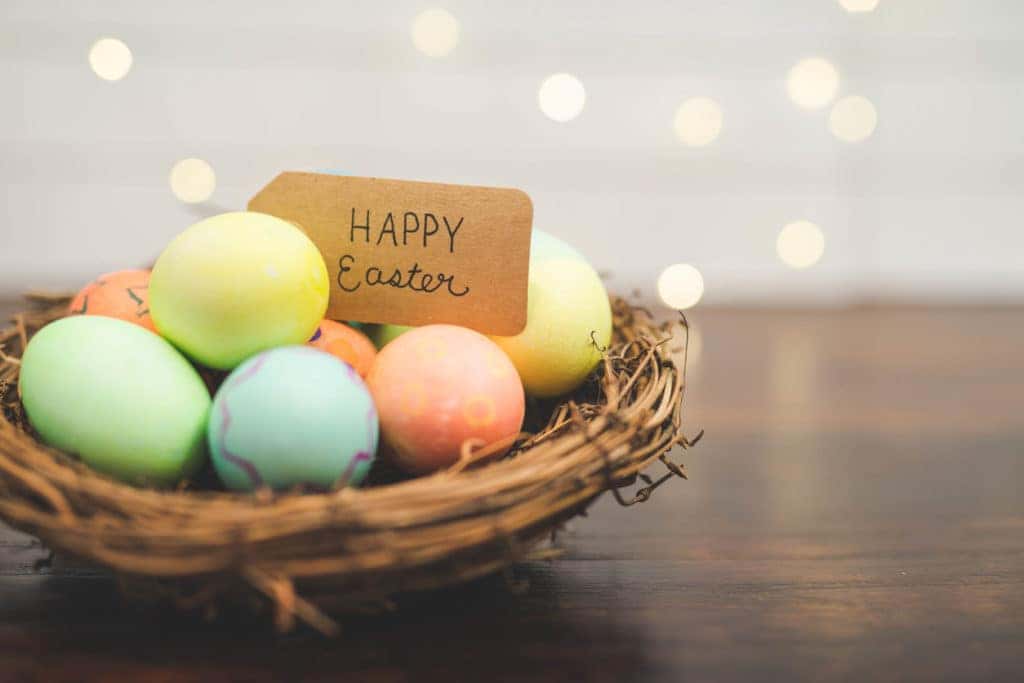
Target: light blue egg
{"x":545,"y":247}
{"x":331,"y":171}
{"x":292,"y":415}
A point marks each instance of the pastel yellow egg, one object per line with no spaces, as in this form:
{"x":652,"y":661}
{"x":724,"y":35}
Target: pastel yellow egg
{"x":568,"y":322}
{"x":236,"y":284}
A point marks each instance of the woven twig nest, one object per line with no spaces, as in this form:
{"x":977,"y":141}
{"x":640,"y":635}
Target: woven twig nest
{"x":355,"y":547}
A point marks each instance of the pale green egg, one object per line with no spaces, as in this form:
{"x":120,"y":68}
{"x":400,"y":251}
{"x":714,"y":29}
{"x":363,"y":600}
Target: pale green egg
{"x":544,"y":247}
{"x":568,"y":324}
{"x":292,"y":416}
{"x":118,"y":396}
{"x":385,"y":333}
{"x":236,"y":284}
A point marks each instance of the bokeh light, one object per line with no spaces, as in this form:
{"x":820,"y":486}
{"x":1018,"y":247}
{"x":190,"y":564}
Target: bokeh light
{"x":193,"y":180}
{"x":800,"y":244}
{"x":698,"y":121}
{"x":812,"y":83}
{"x":854,"y":6}
{"x":435,"y":32}
{"x":561,"y":97}
{"x":110,"y":59}
{"x":680,"y":286}
{"x":853,"y":119}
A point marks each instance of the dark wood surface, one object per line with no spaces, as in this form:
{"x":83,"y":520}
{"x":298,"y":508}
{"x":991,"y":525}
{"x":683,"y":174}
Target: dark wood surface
{"x":855,"y":512}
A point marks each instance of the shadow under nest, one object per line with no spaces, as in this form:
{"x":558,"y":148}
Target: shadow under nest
{"x":309,"y":554}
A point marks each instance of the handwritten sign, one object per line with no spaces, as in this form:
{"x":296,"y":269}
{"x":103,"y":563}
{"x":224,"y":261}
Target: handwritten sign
{"x":413,"y":253}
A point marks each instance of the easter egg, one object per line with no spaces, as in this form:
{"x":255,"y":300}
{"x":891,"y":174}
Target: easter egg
{"x":123,"y":294}
{"x":437,"y":386}
{"x":346,"y":343}
{"x":383,"y":334}
{"x":120,"y":397}
{"x":568,"y":322}
{"x":545,"y":246}
{"x":236,"y":284}
{"x":289,"y":416}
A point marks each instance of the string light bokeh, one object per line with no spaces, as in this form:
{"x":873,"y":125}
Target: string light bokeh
{"x":110,"y":59}
{"x":610,"y":136}
{"x":800,"y":244}
{"x":859,"y":6}
{"x":698,"y":121}
{"x":435,"y":32}
{"x":561,"y":97}
{"x":853,"y":119}
{"x":812,"y":83}
{"x":681,"y":286}
{"x":193,"y":180}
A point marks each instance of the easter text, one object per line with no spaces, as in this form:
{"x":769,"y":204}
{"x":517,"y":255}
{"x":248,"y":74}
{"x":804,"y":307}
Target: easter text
{"x":413,"y":279}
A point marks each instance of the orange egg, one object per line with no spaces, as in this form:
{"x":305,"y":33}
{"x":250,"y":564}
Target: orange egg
{"x":346,"y":343}
{"x":123,"y":294}
{"x":439,"y":385}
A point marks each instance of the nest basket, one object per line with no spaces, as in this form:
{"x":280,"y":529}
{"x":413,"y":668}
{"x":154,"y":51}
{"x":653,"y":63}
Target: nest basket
{"x":308,"y":555}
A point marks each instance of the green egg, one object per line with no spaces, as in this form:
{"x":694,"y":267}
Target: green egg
{"x":118,"y":396}
{"x":544,"y":247}
{"x":382,"y":334}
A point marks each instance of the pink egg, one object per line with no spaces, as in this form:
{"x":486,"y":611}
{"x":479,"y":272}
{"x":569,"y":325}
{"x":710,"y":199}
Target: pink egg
{"x":437,"y":386}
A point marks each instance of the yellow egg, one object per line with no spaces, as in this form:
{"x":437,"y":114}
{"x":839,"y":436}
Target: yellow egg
{"x":236,"y":284}
{"x":568,"y":318}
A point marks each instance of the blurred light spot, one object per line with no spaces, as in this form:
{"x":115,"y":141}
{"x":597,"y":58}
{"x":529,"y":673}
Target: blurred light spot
{"x":859,"y":5}
{"x":110,"y":59}
{"x":800,"y":244}
{"x":812,"y":83}
{"x":680,"y":286}
{"x":698,"y":121}
{"x":561,"y":97}
{"x":853,"y":118}
{"x":435,"y":32}
{"x":193,"y":180}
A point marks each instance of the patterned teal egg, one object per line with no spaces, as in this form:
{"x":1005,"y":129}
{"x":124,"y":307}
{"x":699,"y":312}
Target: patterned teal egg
{"x":292,"y":416}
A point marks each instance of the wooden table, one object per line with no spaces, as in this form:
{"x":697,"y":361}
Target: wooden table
{"x":856,"y":511}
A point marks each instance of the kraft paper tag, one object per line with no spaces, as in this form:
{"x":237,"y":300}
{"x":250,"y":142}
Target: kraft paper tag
{"x":413,"y":253}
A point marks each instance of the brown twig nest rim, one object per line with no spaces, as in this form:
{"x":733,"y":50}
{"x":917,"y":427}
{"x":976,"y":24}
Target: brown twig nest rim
{"x":354,"y":547}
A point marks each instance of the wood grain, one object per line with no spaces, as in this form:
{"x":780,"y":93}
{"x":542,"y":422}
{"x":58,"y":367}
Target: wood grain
{"x":854,"y":512}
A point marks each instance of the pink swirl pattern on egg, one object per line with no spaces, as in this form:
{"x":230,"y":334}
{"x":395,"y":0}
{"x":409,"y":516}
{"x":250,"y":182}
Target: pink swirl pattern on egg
{"x":360,"y":456}
{"x":244,"y":464}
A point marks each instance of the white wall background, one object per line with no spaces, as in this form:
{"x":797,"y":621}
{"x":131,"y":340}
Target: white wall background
{"x":929,"y":207}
